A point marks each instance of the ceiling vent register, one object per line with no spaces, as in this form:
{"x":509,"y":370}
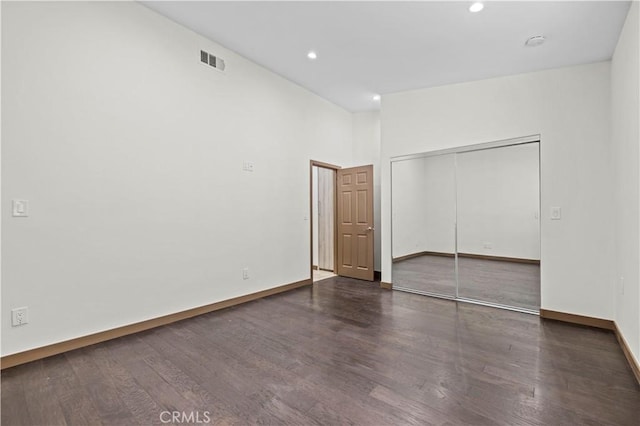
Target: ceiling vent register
{"x":211,"y":60}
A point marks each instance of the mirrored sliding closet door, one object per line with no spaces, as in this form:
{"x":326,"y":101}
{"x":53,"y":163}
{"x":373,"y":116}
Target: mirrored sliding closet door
{"x":466,"y":224}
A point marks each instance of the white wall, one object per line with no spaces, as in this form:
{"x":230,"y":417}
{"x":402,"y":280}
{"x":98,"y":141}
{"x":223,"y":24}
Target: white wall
{"x":130,"y":152}
{"x":366,"y":150}
{"x":570,"y":109}
{"x":625,"y":113}
{"x":498,"y":202}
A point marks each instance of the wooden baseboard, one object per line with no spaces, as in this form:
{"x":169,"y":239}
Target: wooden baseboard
{"x":407,"y":257}
{"x":420,"y":254}
{"x":597,"y":323}
{"x":578,"y":319}
{"x":80,"y":342}
{"x":386,"y":286}
{"x":438,"y":253}
{"x":466,"y":255}
{"x":499,"y":258}
{"x":633,"y":363}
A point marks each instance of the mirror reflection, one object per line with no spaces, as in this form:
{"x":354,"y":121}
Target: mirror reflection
{"x":466,"y":225}
{"x":423,"y":221}
{"x":498,"y":225}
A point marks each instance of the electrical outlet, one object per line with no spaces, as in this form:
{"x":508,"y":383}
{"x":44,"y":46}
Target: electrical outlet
{"x":19,"y":316}
{"x":488,"y":246}
{"x":556,"y":213}
{"x":245,"y":274}
{"x":247,"y":166}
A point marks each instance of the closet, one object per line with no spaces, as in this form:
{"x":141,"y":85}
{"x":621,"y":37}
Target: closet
{"x":466,"y":224}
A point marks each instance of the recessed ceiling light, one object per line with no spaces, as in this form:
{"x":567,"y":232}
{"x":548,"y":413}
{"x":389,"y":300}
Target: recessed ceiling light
{"x":376,"y":97}
{"x":476,"y":7}
{"x":312,"y":55}
{"x":534,"y":41}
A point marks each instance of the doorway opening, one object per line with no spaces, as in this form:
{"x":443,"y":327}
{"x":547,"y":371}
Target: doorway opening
{"x":342,"y":241}
{"x":323,"y":221}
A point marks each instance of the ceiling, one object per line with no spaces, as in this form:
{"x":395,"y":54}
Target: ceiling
{"x":366,"y":48}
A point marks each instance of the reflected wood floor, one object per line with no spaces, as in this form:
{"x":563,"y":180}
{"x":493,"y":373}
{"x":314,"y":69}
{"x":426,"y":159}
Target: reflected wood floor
{"x":434,"y":274}
{"x":340,"y":352}
{"x":506,"y":283}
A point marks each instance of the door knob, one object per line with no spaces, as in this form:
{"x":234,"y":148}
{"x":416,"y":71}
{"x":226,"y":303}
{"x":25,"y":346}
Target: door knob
{"x":371,"y":229}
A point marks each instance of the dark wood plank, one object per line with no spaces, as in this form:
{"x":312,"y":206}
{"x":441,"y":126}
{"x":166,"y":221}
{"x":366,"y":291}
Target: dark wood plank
{"x":14,"y":402}
{"x":76,"y":403}
{"x":99,"y":388}
{"x":44,"y":406}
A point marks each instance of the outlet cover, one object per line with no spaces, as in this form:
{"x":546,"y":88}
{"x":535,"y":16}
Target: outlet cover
{"x":245,"y":274}
{"x":19,"y":316}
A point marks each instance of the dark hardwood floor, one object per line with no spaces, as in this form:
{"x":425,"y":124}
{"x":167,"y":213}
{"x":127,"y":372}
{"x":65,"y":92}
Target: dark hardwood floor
{"x":341,"y":352}
{"x":496,"y":281}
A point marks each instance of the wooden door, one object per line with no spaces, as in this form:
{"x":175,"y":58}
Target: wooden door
{"x":355,"y":222}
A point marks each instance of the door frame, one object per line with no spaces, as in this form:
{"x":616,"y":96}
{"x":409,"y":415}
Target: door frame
{"x":335,"y":168}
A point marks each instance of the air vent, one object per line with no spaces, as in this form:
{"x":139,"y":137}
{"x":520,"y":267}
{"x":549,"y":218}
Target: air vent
{"x":211,"y":60}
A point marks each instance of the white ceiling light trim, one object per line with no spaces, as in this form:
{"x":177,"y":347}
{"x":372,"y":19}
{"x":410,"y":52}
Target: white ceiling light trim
{"x":312,"y":55}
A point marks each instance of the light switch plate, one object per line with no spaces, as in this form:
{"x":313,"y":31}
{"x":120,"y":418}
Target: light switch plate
{"x":556,"y":213}
{"x":20,"y":208}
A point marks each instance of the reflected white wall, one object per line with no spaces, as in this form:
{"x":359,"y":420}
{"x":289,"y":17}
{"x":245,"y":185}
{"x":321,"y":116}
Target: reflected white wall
{"x":408,"y":207}
{"x":439,"y":207}
{"x":498,"y":192}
